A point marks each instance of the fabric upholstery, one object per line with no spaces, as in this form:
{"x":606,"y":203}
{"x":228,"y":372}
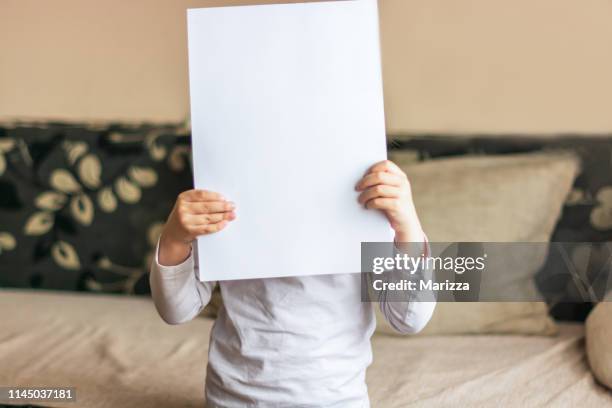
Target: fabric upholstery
{"x":117,"y":352}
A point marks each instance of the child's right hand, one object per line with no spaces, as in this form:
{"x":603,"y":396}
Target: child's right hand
{"x":196,"y":212}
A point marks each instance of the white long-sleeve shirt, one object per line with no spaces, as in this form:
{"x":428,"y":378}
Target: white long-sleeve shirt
{"x":283,"y":342}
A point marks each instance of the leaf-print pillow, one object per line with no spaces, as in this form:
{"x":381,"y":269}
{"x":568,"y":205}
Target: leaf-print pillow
{"x":81,"y":206}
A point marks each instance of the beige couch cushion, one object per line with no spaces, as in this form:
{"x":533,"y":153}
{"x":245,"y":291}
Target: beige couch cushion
{"x":117,"y":352}
{"x":509,"y":198}
{"x":599,"y":342}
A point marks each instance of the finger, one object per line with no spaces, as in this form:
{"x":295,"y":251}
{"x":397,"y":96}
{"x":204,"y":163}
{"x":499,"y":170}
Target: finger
{"x":209,"y":228}
{"x":388,"y":166}
{"x":379,"y":191}
{"x":378,"y":178}
{"x":205,"y":219}
{"x":385,"y":204}
{"x":209,"y":207}
{"x":200,"y":195}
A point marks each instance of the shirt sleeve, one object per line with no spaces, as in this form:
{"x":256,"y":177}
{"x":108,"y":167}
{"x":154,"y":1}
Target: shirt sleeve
{"x":411,"y":315}
{"x":177,"y":292}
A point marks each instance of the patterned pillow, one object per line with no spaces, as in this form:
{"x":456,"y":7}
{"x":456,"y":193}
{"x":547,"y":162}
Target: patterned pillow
{"x":81,"y":206}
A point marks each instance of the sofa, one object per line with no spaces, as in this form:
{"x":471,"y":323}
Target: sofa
{"x":82,"y":205}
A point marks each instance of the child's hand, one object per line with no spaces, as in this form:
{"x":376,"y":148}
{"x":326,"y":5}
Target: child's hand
{"x":196,"y":212}
{"x":386,"y":187}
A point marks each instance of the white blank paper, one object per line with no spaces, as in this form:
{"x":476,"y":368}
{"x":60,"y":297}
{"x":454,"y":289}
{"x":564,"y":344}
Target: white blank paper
{"x":287,"y":115}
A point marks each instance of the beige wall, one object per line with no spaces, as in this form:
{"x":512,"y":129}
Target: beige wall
{"x":498,"y":65}
{"x":454,"y":65}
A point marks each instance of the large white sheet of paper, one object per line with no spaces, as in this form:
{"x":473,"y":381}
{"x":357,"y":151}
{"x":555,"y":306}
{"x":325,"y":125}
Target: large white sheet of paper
{"x":287,"y":115}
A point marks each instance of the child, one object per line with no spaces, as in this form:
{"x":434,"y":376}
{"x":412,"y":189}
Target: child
{"x":284,"y":342}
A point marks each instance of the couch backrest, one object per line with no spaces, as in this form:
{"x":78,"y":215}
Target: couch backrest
{"x":81,"y":206}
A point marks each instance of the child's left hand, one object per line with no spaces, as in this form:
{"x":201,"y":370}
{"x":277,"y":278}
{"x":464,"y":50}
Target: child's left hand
{"x":386,"y":187}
